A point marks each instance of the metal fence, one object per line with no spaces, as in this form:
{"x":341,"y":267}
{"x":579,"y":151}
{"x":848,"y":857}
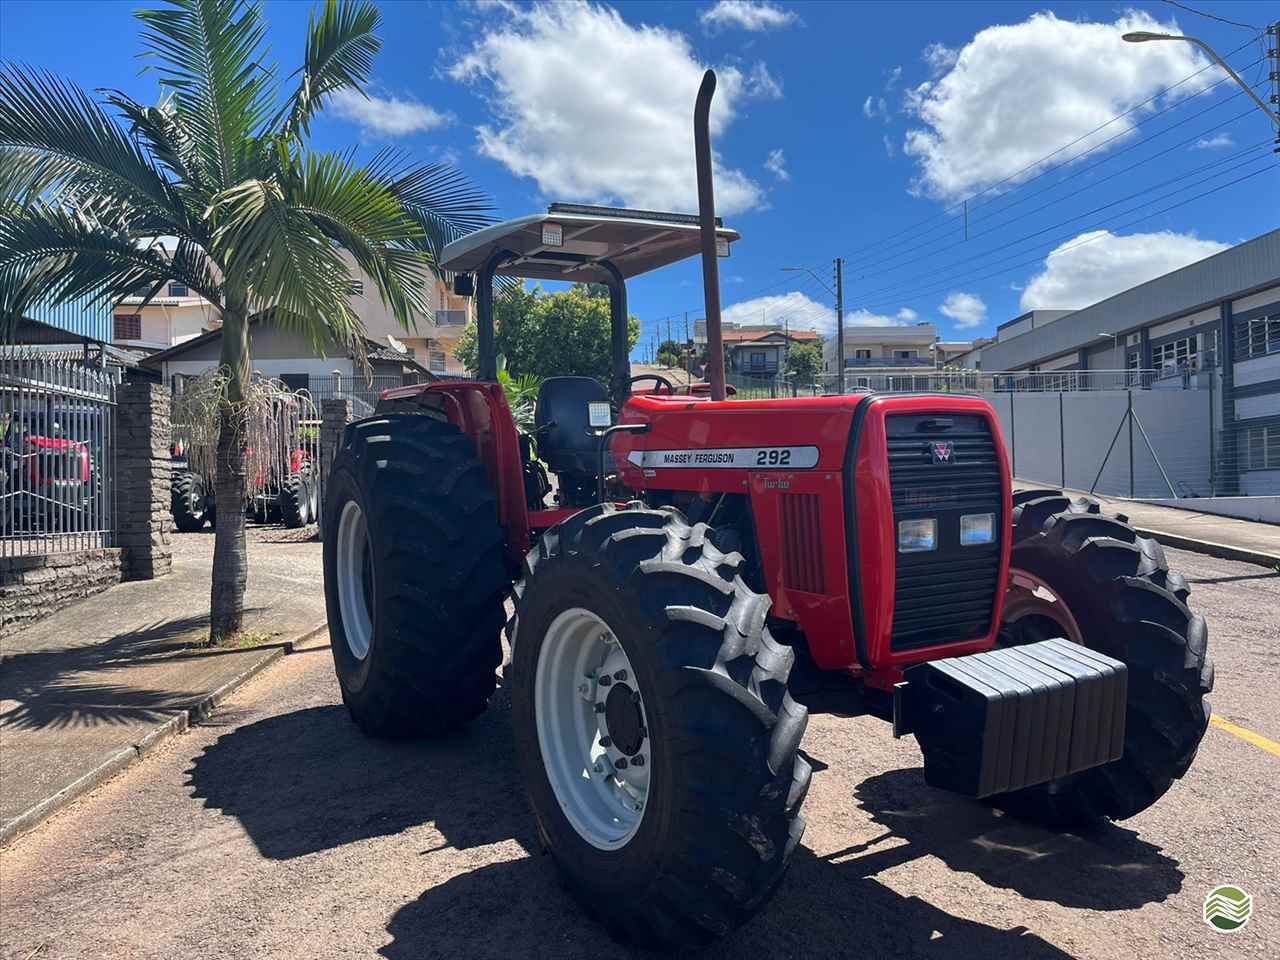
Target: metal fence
{"x":363,"y":393}
{"x":929,"y":380}
{"x":57,"y":459}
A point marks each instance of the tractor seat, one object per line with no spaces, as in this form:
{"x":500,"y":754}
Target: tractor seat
{"x":562,"y":427}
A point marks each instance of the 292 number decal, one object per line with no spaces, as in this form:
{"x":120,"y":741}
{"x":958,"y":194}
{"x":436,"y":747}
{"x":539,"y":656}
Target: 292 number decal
{"x":773,"y":457}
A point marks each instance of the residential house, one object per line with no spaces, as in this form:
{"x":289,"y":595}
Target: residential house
{"x":873,"y":348}
{"x":756,"y":350}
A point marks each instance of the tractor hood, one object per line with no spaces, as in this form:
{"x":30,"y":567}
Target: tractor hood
{"x":567,"y":242}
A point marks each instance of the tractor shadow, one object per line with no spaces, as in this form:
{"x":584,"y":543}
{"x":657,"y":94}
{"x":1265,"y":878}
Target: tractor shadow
{"x":1103,"y":867}
{"x":517,"y":908}
{"x":309,"y":780}
{"x":830,"y":905}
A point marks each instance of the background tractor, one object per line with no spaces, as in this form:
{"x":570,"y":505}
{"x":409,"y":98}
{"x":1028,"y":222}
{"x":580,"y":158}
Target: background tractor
{"x":281,"y":484}
{"x":709,"y":570}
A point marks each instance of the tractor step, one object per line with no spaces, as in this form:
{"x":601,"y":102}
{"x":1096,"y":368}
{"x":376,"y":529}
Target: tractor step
{"x":1006,"y":719}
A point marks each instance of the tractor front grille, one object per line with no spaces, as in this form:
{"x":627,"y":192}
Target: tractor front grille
{"x":945,"y":595}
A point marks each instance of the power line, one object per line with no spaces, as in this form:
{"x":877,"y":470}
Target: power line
{"x":1211,"y":16}
{"x":902,"y":285}
{"x":1075,"y":158}
{"x":958,"y":204}
{"x":887,"y":304}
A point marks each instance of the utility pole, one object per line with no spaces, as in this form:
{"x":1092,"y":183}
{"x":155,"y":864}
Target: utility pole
{"x":1273,"y":64}
{"x":840,"y":320}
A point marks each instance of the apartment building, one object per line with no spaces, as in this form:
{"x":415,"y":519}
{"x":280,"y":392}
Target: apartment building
{"x":875,"y":348}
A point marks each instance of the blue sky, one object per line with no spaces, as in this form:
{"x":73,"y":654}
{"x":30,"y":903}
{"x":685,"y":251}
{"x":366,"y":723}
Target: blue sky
{"x":857,"y":130}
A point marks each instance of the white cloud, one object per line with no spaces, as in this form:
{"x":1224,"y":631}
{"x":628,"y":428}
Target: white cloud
{"x":1216,"y":142}
{"x":1015,"y":93}
{"x":966,"y":309}
{"x":1099,"y":264}
{"x":802,"y":313}
{"x":577,"y":106}
{"x":894,"y":76}
{"x":888,"y":147}
{"x":386,"y":116}
{"x":753,"y":15}
{"x":776,"y":164}
{"x":940,"y":58}
{"x":875,"y":107}
{"x":762,"y":84}
{"x":794,"y":309}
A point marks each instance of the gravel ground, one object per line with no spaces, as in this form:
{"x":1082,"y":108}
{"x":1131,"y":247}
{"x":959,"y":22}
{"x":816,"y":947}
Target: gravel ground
{"x":276,"y":830}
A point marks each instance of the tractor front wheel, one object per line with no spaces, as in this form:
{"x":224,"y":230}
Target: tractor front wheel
{"x":187,"y":501}
{"x":415,"y":576}
{"x":653,"y":726}
{"x":1090,"y":578}
{"x":295,"y":498}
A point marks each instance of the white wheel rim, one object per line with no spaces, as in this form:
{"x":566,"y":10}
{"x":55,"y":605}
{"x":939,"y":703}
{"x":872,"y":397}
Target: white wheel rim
{"x":352,"y":551}
{"x":602,"y":790}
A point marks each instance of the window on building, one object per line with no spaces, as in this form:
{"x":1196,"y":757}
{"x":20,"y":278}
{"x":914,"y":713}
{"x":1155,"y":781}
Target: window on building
{"x":450,"y":318}
{"x":436,"y":361}
{"x":861,"y":354}
{"x":355,"y":288}
{"x":1260,"y":449}
{"x":126,"y":326}
{"x":178,"y":290}
{"x":904,"y":354}
{"x":1179,"y":354}
{"x":756,"y":358}
{"x":1263,"y":336}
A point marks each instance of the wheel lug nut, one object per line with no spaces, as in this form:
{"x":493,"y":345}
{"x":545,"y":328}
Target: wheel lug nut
{"x":606,"y":741}
{"x":637,"y":761}
{"x":599,"y":708}
{"x":621,"y":764}
{"x":620,"y":676}
{"x":606,"y":680}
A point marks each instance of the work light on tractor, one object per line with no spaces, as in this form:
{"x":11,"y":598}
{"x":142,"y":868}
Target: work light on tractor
{"x":702,"y":571}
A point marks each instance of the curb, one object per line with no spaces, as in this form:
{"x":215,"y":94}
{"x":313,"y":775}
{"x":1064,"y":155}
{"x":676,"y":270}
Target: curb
{"x":178,"y":724}
{"x":1207,"y":547}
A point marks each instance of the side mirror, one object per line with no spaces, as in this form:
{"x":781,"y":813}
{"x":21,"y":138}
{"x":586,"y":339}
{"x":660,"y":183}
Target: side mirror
{"x":464,"y":285}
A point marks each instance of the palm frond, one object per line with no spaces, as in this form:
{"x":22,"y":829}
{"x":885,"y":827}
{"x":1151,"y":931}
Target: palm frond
{"x":359,"y":214}
{"x":56,"y":141}
{"x":440,"y":197}
{"x":210,"y":54}
{"x":163,"y":136}
{"x":53,"y":255}
{"x":341,"y":45}
{"x":277,"y":252}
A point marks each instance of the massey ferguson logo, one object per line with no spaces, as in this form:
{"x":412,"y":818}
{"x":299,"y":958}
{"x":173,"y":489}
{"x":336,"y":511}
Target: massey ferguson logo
{"x":942,"y":451}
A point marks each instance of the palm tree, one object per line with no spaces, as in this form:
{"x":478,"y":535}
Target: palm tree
{"x":220,"y":171}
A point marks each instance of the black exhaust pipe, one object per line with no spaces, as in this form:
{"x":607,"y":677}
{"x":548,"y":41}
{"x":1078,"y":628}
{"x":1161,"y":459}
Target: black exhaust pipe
{"x":707,"y":221}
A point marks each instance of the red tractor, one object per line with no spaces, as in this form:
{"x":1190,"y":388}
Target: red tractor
{"x":712,"y":569}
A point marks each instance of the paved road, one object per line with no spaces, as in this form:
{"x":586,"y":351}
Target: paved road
{"x":277,"y":831}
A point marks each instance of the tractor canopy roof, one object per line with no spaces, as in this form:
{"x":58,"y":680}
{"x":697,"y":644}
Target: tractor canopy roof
{"x":567,"y":242}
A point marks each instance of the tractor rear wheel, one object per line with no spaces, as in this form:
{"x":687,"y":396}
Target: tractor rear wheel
{"x":187,"y":501}
{"x":295,"y":498}
{"x":1090,"y":578}
{"x":415,"y":576}
{"x":659,"y":745}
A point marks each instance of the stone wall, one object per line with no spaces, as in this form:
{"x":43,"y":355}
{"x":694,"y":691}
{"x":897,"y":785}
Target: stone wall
{"x":334,"y":417}
{"x":144,"y":522}
{"x":34,"y":587}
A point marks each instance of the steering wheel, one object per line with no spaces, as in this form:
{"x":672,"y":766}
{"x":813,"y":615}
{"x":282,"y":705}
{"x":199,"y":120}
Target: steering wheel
{"x":659,"y":380}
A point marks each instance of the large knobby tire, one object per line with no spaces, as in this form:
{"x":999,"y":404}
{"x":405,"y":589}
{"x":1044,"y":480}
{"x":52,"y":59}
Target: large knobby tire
{"x":415,"y":576}
{"x":187,"y":501}
{"x":1113,"y":590}
{"x":716,"y":816}
{"x":295,"y":498}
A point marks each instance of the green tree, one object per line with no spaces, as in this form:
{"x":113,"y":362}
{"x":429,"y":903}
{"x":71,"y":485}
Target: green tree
{"x":670,"y":354}
{"x":549,"y":335}
{"x":259,"y":223}
{"x":804,"y":363}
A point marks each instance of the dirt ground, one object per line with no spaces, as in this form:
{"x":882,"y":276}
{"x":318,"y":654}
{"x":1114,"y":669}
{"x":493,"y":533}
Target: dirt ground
{"x":276,"y":830}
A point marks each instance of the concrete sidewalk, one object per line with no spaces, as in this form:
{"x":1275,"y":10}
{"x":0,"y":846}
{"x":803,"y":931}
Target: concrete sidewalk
{"x":87,"y":691}
{"x":1244,"y":540}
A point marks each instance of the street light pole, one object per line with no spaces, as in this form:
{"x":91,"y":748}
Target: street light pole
{"x":1143,"y":36}
{"x":838,"y":295}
